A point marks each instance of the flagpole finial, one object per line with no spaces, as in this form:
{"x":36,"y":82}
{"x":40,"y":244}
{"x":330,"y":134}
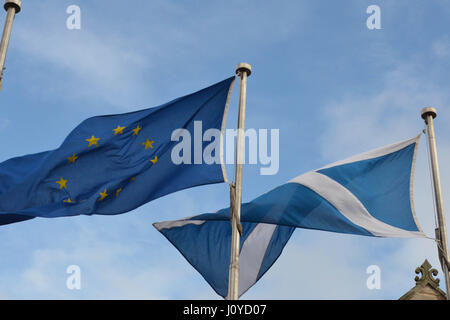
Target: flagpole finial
{"x":16,"y":4}
{"x":244,"y":67}
{"x":428,"y":111}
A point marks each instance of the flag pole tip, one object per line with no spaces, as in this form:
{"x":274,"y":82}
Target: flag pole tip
{"x":16,"y":4}
{"x":244,"y":67}
{"x":428,"y":111}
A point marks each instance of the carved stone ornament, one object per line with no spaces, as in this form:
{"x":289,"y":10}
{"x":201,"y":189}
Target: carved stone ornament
{"x":428,"y":275}
{"x":427,"y":285}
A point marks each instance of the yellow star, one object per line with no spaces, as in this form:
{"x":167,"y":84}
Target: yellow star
{"x":62,"y":183}
{"x":69,"y":201}
{"x":118,"y":191}
{"x":72,"y":158}
{"x":148,"y":144}
{"x":103,"y":195}
{"x":136,"y":131}
{"x":92,"y":140}
{"x":119,"y":129}
{"x":154,"y":160}
{"x":133,"y":178}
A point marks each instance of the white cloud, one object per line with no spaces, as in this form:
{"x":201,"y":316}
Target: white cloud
{"x":99,"y":65}
{"x":124,"y":63}
{"x":93,"y":65}
{"x":390,"y":114}
{"x":107,"y":272}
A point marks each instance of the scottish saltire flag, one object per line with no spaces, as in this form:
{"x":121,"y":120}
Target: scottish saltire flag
{"x":206,"y":245}
{"x":369,"y":194}
{"x":115,"y":163}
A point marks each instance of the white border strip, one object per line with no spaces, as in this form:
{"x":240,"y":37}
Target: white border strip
{"x":411,"y":184}
{"x":222,"y":131}
{"x":252,"y":255}
{"x":176,"y":223}
{"x":375,"y":153}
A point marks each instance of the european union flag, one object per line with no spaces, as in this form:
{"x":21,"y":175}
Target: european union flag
{"x":115,"y":163}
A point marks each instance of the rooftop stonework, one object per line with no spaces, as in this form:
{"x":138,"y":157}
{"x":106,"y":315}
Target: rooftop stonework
{"x":427,"y":286}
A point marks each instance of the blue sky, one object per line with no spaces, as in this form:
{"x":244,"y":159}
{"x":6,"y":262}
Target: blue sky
{"x":331,"y":86}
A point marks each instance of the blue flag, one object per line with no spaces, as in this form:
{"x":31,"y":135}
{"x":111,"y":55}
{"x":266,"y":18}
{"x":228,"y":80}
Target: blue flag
{"x":368,"y":194}
{"x":206,"y":245}
{"x":115,"y":163}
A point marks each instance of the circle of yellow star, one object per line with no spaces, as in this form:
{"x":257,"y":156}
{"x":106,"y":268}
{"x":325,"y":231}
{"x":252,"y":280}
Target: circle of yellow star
{"x":92,"y":140}
{"x":72,"y":158}
{"x":148,"y":144}
{"x":62,"y":183}
{"x":118,"y":130}
{"x":136,"y":130}
{"x":103,"y":195}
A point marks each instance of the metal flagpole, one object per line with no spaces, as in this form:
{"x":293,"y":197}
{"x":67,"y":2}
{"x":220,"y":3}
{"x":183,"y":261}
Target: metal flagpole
{"x":243,"y":70}
{"x":12,"y":7}
{"x":428,"y":114}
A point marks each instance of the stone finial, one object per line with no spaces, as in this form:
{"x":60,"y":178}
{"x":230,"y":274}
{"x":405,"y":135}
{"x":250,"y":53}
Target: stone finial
{"x":427,"y":285}
{"x":428,"y":275}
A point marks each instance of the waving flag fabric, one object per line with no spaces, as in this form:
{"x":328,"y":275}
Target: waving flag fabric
{"x":115,"y":163}
{"x":207,"y":247}
{"x":369,"y":194}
